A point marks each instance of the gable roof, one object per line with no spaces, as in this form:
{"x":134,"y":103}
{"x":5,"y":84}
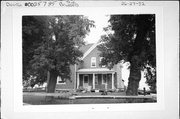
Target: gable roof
{"x":85,"y":48}
{"x":91,"y":47}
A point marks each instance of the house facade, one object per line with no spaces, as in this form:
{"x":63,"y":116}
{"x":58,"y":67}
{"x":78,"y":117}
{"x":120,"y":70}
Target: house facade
{"x":90,"y":75}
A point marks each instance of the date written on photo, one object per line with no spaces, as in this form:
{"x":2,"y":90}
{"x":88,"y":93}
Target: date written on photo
{"x":132,"y":3}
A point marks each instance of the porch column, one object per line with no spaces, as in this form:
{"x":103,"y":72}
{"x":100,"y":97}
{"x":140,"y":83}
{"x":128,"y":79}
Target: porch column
{"x":75,"y":77}
{"x":112,"y":80}
{"x":93,"y":80}
{"x":77,"y":80}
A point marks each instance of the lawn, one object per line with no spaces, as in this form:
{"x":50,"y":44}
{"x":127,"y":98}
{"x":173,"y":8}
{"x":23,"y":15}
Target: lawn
{"x":42,"y":98}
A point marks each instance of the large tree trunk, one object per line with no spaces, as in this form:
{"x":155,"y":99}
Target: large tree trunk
{"x":51,"y":82}
{"x":134,"y":77}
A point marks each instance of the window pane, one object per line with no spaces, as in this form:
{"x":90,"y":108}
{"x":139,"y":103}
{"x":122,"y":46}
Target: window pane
{"x":60,"y":80}
{"x":93,"y":61}
{"x":93,"y":64}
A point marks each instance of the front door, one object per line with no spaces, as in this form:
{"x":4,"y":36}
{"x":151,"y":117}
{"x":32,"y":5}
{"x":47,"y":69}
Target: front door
{"x":85,"y":81}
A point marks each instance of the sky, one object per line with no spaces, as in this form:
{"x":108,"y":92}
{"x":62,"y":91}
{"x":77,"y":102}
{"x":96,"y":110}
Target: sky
{"x":101,"y":21}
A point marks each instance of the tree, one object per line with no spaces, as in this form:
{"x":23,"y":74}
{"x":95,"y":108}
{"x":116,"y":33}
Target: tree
{"x":130,"y":38}
{"x":150,"y":75}
{"x":51,"y":44}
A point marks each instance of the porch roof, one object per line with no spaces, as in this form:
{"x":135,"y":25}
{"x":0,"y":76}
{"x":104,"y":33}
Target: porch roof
{"x":96,"y":70}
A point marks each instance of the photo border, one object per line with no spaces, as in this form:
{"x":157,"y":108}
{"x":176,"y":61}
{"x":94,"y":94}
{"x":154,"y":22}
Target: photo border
{"x":167,"y":93}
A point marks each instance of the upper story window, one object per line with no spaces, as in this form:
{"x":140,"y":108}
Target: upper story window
{"x":100,"y":62}
{"x":93,"y":61}
{"x":60,"y":80}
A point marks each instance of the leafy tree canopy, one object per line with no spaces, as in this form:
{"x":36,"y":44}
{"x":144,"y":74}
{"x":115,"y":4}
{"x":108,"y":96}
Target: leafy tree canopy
{"x":130,"y":38}
{"x":51,"y":43}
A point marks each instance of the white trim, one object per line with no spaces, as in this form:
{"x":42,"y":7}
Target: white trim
{"x":96,"y":70}
{"x":62,"y":83}
{"x":112,"y":80}
{"x":89,"y":50}
{"x":77,"y":80}
{"x":75,"y":76}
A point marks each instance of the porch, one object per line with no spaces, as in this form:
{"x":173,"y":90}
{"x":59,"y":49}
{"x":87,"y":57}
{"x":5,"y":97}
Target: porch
{"x":96,"y":79}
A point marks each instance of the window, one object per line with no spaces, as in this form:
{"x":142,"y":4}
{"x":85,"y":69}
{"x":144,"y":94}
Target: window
{"x":100,"y":62}
{"x":60,"y":80}
{"x":93,"y":61}
{"x":104,"y":78}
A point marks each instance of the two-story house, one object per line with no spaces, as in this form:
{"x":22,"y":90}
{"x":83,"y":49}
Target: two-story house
{"x":89,"y":74}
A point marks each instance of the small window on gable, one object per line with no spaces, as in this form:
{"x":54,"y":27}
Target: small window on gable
{"x":93,"y":61}
{"x":60,"y":80}
{"x":100,"y":62}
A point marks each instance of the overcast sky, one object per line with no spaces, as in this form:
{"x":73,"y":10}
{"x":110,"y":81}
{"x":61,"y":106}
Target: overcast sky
{"x":101,"y":21}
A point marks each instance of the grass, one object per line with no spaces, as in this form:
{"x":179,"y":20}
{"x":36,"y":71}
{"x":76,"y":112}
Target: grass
{"x":42,"y":98}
